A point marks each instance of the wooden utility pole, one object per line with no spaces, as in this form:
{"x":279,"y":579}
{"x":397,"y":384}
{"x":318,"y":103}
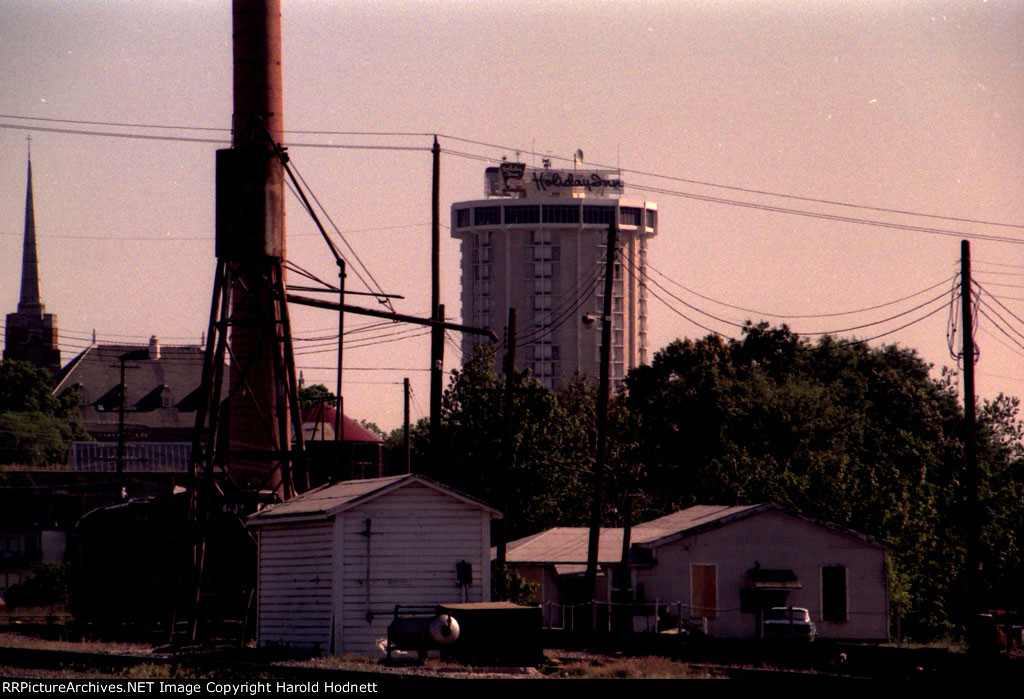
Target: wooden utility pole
{"x":436,"y":309}
{"x":973,"y":578}
{"x":507,"y":461}
{"x":590,"y":578}
{"x":120,"y":425}
{"x":339,"y":408}
{"x":407,"y":446}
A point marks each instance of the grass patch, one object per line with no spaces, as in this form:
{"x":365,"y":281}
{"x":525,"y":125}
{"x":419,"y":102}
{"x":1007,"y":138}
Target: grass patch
{"x":651,"y":668}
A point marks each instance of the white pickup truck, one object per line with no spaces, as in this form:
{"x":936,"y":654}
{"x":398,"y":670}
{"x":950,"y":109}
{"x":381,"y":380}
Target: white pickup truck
{"x":789,"y":622}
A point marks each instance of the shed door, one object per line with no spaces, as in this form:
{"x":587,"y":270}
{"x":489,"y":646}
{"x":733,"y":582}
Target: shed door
{"x":704,"y":589}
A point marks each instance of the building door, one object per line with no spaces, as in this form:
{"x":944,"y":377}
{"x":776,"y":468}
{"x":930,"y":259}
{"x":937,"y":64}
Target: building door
{"x":704,"y":590}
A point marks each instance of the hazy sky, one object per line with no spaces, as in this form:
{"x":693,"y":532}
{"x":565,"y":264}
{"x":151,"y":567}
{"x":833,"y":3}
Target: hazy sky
{"x":909,"y":106}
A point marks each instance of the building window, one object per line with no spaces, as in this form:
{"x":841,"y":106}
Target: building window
{"x":522,"y":214}
{"x":541,"y":286}
{"x":543,"y":253}
{"x":542,"y":270}
{"x":704,"y":590}
{"x":630,"y":216}
{"x":833,"y":593}
{"x":652,"y":218}
{"x":560,"y":213}
{"x":540,"y":237}
{"x":461,"y":218}
{"x":545,"y":352}
{"x":598,"y":214}
{"x":483,"y":305}
{"x":487,"y":216}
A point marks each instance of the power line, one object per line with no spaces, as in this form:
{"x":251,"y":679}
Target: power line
{"x":831,"y":217}
{"x":195,"y":139}
{"x":505,"y":148}
{"x":796,"y":316}
{"x":379,"y":289}
{"x":1000,"y":328}
{"x":981,"y":288}
{"x":668,"y":192}
{"x":815,"y":214}
{"x":745,"y":190}
{"x":563,"y":312}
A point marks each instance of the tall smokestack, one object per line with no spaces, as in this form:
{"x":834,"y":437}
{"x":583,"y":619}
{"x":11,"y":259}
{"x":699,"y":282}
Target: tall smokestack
{"x":253,"y":243}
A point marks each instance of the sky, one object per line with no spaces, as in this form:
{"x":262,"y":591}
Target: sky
{"x":794,"y":149}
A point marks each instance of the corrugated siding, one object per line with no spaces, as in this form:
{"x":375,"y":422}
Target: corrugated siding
{"x":295,"y":585}
{"x":417,"y":537}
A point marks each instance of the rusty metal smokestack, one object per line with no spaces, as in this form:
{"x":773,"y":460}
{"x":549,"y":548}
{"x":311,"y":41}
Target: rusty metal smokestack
{"x":254,"y":245}
{"x":257,"y":71}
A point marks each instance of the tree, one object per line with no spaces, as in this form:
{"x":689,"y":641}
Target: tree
{"x":548,"y":481}
{"x":317,"y":393}
{"x":36,"y":426}
{"x":859,"y":436}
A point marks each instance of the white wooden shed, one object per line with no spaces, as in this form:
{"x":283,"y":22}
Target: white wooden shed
{"x":334,"y":562}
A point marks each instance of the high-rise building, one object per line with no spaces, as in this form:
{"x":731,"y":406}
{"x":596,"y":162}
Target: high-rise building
{"x":537,"y":243}
{"x":30,"y":334}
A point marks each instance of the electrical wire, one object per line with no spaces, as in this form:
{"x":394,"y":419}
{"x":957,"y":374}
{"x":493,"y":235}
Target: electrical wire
{"x":996,"y":299}
{"x":705,"y":183}
{"x":194,"y":139}
{"x":634,"y":268}
{"x":1000,"y":328}
{"x":985,"y":305}
{"x":379,"y":289}
{"x":563,"y":312}
{"x":796,"y":316}
{"x":506,"y":149}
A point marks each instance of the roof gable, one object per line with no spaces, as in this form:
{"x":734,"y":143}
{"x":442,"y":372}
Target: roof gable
{"x":329,"y":500}
{"x":567,"y":545}
{"x":701,"y":518}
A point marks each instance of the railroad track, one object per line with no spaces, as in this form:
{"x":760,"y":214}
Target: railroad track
{"x":192,"y":665}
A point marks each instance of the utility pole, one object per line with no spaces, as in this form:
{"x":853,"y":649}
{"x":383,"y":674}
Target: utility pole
{"x":507,"y":461}
{"x":122,"y":409}
{"x":120,"y":426}
{"x":407,"y":447}
{"x":436,"y":373}
{"x":625,"y":583}
{"x":973,"y":578}
{"x":590,"y":578}
{"x":338,"y":427}
{"x":436,"y":309}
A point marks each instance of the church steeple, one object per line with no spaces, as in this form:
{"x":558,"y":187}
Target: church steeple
{"x":29,"y":302}
{"x":31,"y":333}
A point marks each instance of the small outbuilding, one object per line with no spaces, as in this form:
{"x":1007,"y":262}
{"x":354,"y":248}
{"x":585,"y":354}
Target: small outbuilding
{"x":335,"y":561}
{"x":720,"y":569}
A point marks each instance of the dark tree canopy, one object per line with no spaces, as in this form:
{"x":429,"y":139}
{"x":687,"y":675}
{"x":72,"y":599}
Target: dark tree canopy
{"x":861,"y":436}
{"x":36,"y":427}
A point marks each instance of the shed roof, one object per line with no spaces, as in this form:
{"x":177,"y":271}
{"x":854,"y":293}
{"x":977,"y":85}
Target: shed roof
{"x":565,"y":545}
{"x":328,"y":500}
{"x":701,"y":518}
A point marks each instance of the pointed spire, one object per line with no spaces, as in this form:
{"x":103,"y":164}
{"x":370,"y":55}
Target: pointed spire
{"x":29,"y":302}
